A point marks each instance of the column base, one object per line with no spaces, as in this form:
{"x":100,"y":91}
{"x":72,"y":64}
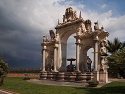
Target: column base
{"x":61,"y":76}
{"x":70,"y":76}
{"x":103,"y":77}
{"x":54,"y":75}
{"x":96,"y":75}
{"x":43,"y":75}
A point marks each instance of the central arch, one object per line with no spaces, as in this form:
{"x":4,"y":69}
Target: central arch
{"x":71,"y":48}
{"x":64,"y":33}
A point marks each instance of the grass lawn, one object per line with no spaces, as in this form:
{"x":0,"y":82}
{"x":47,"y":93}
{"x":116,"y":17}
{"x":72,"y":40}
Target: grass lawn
{"x":23,"y":87}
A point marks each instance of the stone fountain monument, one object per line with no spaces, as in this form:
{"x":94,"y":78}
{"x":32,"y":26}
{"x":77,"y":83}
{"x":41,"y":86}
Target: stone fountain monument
{"x":54,"y":50}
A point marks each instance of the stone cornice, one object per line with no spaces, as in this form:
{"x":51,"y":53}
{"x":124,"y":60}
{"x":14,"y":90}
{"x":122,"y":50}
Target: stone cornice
{"x":62,"y":25}
{"x":85,"y":35}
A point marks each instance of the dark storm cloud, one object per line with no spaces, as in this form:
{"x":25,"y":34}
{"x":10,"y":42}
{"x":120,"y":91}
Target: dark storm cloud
{"x":18,"y":43}
{"x":24,"y":22}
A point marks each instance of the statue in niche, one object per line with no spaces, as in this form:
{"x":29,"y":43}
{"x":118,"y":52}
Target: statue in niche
{"x":89,"y":61}
{"x":88,"y":25}
{"x":52,"y":34}
{"x":103,"y":49}
{"x":96,"y":27}
{"x":69,"y":15}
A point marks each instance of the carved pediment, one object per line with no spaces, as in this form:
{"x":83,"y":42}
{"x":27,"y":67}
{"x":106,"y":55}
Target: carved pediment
{"x":69,"y":15}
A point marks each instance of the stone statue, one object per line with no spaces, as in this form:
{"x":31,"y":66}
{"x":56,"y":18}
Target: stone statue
{"x":70,"y":15}
{"x":104,"y":61}
{"x":52,"y":34}
{"x":57,"y":37}
{"x":102,"y":28}
{"x":96,"y":27}
{"x":74,"y":15}
{"x":45,"y":39}
{"x":89,"y":61}
{"x":88,"y":25}
{"x":103,"y":49}
{"x":64,"y":18}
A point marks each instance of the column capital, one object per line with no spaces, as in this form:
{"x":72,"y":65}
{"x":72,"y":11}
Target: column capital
{"x":96,"y":40}
{"x":56,"y":46}
{"x":44,"y":47}
{"x":77,"y":43}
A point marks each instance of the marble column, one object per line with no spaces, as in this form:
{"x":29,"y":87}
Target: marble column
{"x":77,"y":54}
{"x":55,"y":57}
{"x":44,"y":58}
{"x":96,"y":55}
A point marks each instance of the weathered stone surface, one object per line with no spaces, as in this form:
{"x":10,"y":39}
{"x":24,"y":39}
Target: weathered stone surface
{"x":54,"y":51}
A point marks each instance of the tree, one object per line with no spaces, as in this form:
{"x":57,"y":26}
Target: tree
{"x":3,"y":69}
{"x":116,"y":58}
{"x":115,"y":45}
{"x":117,"y":62}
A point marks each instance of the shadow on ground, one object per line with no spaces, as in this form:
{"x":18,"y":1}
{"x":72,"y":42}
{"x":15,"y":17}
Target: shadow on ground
{"x":107,"y":89}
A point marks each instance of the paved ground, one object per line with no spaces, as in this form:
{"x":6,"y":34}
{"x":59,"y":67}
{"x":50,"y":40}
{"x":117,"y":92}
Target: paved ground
{"x":64,"y":83}
{"x":2,"y":92}
{"x":7,"y":92}
{"x":61,"y":83}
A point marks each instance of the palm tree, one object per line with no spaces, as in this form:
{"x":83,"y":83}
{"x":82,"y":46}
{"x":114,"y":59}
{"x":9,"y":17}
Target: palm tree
{"x":117,"y":62}
{"x":116,"y":59}
{"x":115,"y":45}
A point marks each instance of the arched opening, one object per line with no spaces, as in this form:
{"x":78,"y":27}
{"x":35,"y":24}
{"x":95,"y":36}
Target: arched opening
{"x":90,"y":61}
{"x":71,"y":50}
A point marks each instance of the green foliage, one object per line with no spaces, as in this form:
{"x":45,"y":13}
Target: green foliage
{"x":115,"y":45}
{"x":117,"y":61}
{"x":3,"y":66}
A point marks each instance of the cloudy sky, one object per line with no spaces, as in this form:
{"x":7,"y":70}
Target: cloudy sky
{"x":24,"y":22}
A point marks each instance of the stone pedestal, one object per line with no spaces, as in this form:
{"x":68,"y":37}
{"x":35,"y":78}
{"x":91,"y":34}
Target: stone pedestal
{"x":80,"y":77}
{"x":43,"y":75}
{"x":49,"y":75}
{"x":70,"y":76}
{"x":89,"y":76}
{"x":96,"y":75}
{"x":54,"y":75}
{"x":61,"y":76}
{"x":103,"y":77}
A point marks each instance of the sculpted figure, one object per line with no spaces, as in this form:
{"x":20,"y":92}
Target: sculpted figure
{"x":88,"y":25}
{"x":74,"y":15}
{"x":88,"y":63}
{"x":64,"y":18}
{"x":96,"y":27}
{"x":103,"y":49}
{"x":57,"y":37}
{"x":44,"y":38}
{"x":70,"y":14}
{"x":103,"y":63}
{"x":52,"y":34}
